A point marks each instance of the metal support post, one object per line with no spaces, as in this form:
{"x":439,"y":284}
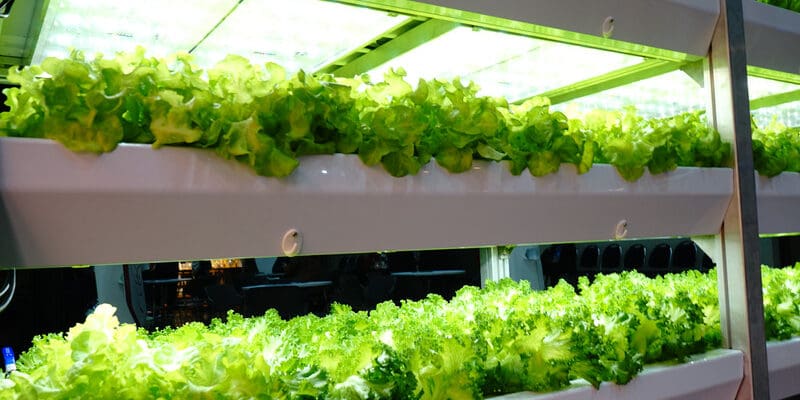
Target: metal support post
{"x":737,"y":247}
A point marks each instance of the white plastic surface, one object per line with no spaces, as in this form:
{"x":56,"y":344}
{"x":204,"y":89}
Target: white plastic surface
{"x":710,"y":376}
{"x":784,"y":368}
{"x":778,"y":200}
{"x":581,"y":391}
{"x":138,"y":205}
{"x":679,"y":25}
{"x":772,"y":37}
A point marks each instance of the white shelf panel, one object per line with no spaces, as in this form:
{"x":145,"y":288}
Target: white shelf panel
{"x":713,"y":375}
{"x":138,"y":205}
{"x":778,"y":199}
{"x":685,"y":26}
{"x":772,"y":37}
{"x":784,"y":368}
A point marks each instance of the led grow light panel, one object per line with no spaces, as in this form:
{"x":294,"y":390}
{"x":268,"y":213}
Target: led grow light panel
{"x":296,"y":34}
{"x":658,"y":97}
{"x":787,"y":114}
{"x":111,"y":26}
{"x":784,"y":96}
{"x":501,"y":64}
{"x":761,"y":87}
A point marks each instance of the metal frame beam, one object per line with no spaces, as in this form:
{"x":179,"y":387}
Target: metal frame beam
{"x":371,"y":44}
{"x":775,"y":99}
{"x":453,"y":10}
{"x":493,"y":266}
{"x":418,"y":35}
{"x":215,"y":27}
{"x":773,"y":75}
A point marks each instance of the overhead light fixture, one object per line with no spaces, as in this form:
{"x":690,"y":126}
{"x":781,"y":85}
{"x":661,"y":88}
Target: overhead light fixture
{"x":297,"y":34}
{"x":111,"y":26}
{"x":662,"y":96}
{"x":501,"y":64}
{"x":772,"y":100}
{"x":518,"y":67}
{"x":762,"y":87}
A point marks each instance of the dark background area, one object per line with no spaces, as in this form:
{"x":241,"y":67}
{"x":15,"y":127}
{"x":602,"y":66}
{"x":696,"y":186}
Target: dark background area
{"x":46,"y":301}
{"x":55,"y":299}
{"x":788,"y":250}
{"x":3,"y":106}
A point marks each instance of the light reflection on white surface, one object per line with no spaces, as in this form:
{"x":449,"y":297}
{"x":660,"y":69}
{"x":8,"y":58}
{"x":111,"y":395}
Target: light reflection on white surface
{"x":658,"y":97}
{"x":787,"y":113}
{"x":760,"y":87}
{"x":113,"y":26}
{"x":297,"y":34}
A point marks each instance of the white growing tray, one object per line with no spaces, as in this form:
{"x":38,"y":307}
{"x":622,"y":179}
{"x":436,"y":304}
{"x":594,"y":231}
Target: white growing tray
{"x":784,"y":368}
{"x":709,"y":376}
{"x":778,"y":201}
{"x":713,"y":375}
{"x":772,"y":36}
{"x":137,"y":204}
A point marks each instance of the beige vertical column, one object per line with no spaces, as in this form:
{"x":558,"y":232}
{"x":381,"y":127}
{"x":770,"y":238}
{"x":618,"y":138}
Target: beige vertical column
{"x":737,"y":247}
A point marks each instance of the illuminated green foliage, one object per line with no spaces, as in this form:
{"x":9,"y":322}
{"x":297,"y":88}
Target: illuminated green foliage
{"x":793,"y":5}
{"x":266,"y":119}
{"x":484,"y":342}
{"x":776,"y":148}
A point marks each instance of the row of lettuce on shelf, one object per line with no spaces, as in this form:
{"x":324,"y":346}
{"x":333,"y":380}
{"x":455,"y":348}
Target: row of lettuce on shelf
{"x":483,"y":342}
{"x":776,"y":148}
{"x":262,"y":117}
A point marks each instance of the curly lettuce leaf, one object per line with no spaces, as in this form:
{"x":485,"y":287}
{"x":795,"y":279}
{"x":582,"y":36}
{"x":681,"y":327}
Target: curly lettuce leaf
{"x":94,"y":104}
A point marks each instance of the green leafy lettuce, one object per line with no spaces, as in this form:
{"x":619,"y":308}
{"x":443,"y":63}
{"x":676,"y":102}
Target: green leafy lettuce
{"x":776,"y":148}
{"x":483,"y":342}
{"x":793,"y":5}
{"x":263,"y":117}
